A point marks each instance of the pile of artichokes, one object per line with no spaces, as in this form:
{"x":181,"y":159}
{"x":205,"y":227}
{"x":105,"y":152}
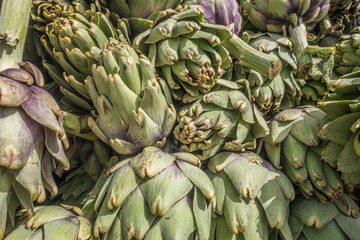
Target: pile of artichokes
{"x":179,"y":119}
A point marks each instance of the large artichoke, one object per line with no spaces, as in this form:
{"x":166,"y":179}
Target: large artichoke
{"x":134,"y":108}
{"x":296,"y":17}
{"x":52,"y":222}
{"x":189,"y":53}
{"x":313,"y":220}
{"x":293,"y":144}
{"x":155,"y":195}
{"x":75,"y":43}
{"x":222,"y":119}
{"x":31,"y":135}
{"x":252,"y":197}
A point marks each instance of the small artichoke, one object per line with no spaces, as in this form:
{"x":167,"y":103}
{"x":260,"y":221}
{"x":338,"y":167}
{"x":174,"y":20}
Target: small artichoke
{"x":155,"y":195}
{"x":52,"y":222}
{"x":75,"y":43}
{"x":252,"y":197}
{"x":293,"y":144}
{"x":283,"y":91}
{"x":347,"y":56}
{"x":296,"y":16}
{"x":191,"y":54}
{"x":224,"y":12}
{"x":133,"y":107}
{"x":31,"y":135}
{"x":342,"y":129}
{"x":223,"y":119}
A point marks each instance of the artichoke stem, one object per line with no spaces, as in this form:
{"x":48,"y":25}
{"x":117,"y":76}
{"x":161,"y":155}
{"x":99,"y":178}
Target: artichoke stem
{"x":298,"y":35}
{"x":267,"y":66}
{"x":14,"y":21}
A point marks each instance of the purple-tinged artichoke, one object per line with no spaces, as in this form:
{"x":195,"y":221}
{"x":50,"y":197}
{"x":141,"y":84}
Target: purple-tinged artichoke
{"x":296,"y":17}
{"x":31,"y":136}
{"x":223,"y":12}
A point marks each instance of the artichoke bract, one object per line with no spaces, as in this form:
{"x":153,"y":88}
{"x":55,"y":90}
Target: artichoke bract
{"x":75,"y":43}
{"x":252,"y":197}
{"x":313,"y":220}
{"x":296,"y":16}
{"x":140,"y":8}
{"x":293,"y":144}
{"x":134,"y":108}
{"x":191,"y":54}
{"x":222,"y":119}
{"x":53,"y":222}
{"x":225,"y":12}
{"x":31,"y":135}
{"x":155,"y":195}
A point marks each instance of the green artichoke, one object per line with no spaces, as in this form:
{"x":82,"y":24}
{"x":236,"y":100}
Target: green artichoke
{"x":341,"y":128}
{"x":294,"y":16}
{"x":252,"y":197}
{"x":191,"y":55}
{"x":283,"y":91}
{"x":223,"y":119}
{"x":155,"y":195}
{"x":313,"y":220}
{"x":293,"y":144}
{"x":75,"y":43}
{"x":31,"y":135}
{"x":140,"y":8}
{"x":347,"y":56}
{"x":133,"y":107}
{"x":53,"y":222}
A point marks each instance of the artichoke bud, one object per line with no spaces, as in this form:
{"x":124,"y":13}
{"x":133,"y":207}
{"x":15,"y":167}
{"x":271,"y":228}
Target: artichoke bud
{"x":244,"y":183}
{"x":131,"y":97}
{"x":163,"y":187}
{"x":219,"y":120}
{"x":186,"y":51}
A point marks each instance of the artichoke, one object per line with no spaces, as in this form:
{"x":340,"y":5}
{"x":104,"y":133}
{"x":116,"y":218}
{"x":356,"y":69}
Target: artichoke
{"x":347,"y":56}
{"x":134,"y":108}
{"x":75,"y":43}
{"x":223,"y":119}
{"x":252,"y":197}
{"x":46,"y":11}
{"x":155,"y":195}
{"x":293,"y":144}
{"x":313,"y":220}
{"x":31,"y":135}
{"x":53,"y":222}
{"x":140,"y":8}
{"x":225,"y":12}
{"x":341,"y":128}
{"x":296,"y":17}
{"x":283,"y":91}
{"x":191,"y":55}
